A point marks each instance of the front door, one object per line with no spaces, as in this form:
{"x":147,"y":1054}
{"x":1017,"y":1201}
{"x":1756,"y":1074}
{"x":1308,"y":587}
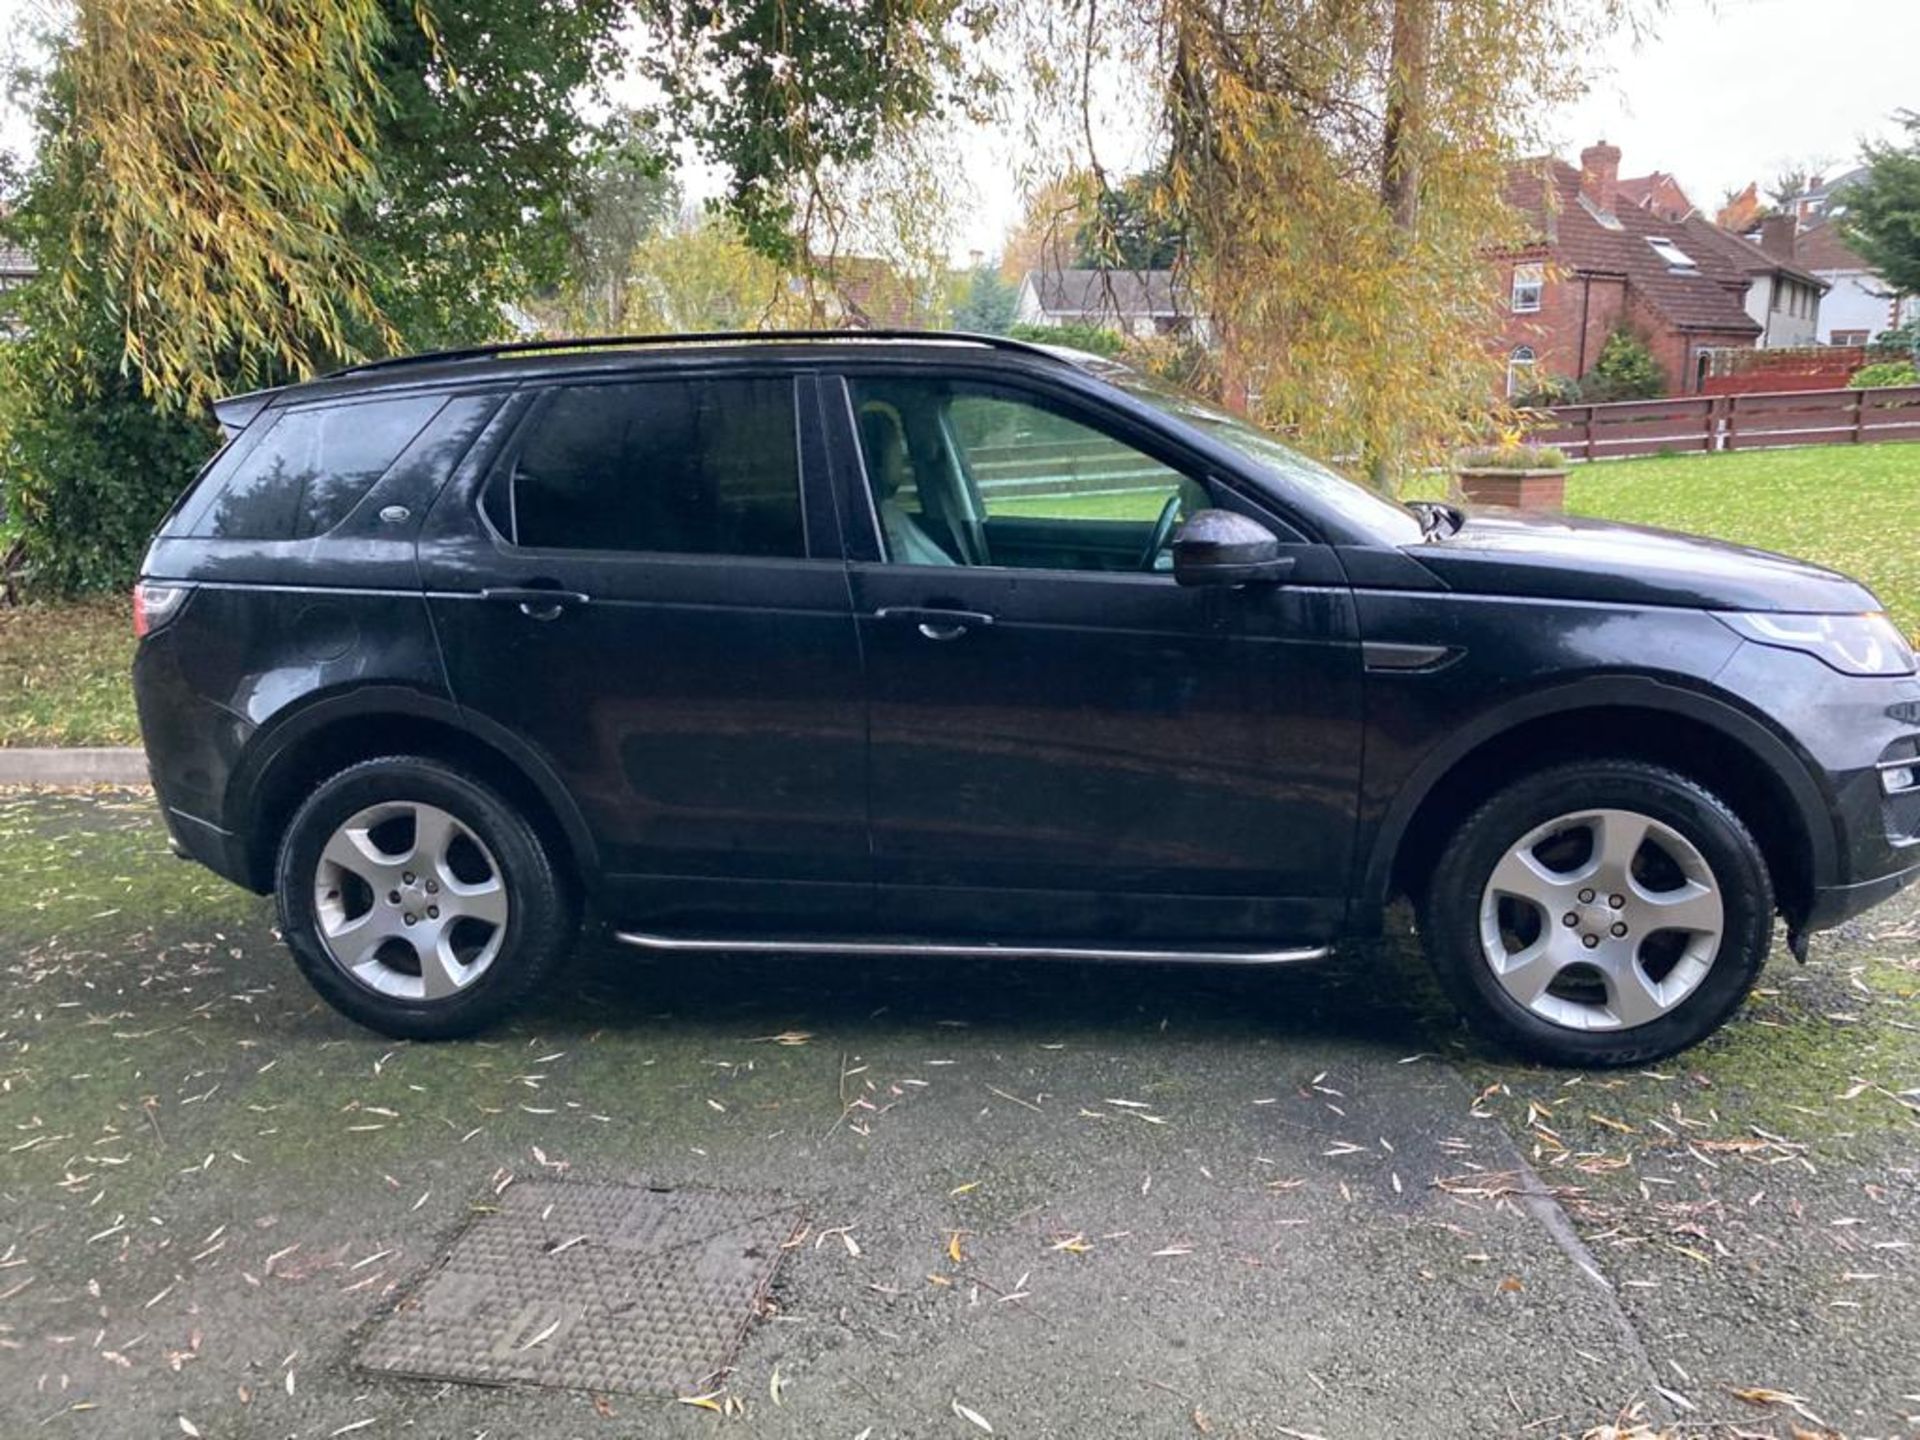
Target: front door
{"x":1066,"y":744}
{"x":643,"y":583}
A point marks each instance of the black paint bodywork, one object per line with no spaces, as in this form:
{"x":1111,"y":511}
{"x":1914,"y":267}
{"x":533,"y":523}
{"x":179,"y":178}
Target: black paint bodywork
{"x":728,"y":746}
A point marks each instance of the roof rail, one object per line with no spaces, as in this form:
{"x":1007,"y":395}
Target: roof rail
{"x":702,"y":337}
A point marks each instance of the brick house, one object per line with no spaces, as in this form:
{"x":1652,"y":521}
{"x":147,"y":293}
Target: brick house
{"x":1658,"y":194}
{"x":1598,"y":261}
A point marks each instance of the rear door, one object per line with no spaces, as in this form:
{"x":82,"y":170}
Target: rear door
{"x":1066,"y":744}
{"x":644,"y":584}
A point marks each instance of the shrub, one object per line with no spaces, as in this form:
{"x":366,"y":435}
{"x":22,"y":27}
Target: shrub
{"x":85,"y":483}
{"x":1884,"y":374}
{"x":1625,"y":370}
{"x":1510,"y":457}
{"x":1548,"y":391}
{"x":1095,"y":339}
{"x":1900,"y":343}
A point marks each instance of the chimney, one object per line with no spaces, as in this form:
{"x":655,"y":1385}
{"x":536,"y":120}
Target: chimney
{"x":1777,"y":236}
{"x":1599,"y":174}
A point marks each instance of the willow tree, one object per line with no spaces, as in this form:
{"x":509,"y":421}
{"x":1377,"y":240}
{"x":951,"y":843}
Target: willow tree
{"x":201,"y":165}
{"x":234,"y":193}
{"x":1336,"y":169}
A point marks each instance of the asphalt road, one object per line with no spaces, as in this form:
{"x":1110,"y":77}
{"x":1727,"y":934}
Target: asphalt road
{"x":1054,"y":1200}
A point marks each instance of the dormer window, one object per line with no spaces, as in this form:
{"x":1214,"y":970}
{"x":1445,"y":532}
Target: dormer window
{"x":1677,"y":259}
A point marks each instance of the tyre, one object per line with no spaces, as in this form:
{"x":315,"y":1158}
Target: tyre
{"x":418,"y":901}
{"x":1603,"y":913}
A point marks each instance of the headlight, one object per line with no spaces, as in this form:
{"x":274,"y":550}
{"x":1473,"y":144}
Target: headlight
{"x":1852,"y":644}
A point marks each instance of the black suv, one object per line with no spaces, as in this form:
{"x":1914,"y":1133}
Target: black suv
{"x":948,"y":644}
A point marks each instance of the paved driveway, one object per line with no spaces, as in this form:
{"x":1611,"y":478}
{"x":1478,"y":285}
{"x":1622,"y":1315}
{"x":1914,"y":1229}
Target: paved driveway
{"x":1056,"y":1200}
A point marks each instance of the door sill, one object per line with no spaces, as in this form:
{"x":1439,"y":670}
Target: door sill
{"x":645,"y":940}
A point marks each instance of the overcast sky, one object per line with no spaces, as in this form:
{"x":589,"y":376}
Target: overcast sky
{"x":1723,"y":93}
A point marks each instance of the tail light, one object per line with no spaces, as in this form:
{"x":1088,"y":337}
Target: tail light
{"x":154,"y":605}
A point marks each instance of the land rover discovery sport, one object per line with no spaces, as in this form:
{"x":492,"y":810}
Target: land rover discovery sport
{"x":918,"y":642}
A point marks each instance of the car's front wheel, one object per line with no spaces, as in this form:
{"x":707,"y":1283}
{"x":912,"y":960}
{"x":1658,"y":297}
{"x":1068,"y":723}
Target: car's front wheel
{"x":417,"y":900}
{"x":1602,"y":913}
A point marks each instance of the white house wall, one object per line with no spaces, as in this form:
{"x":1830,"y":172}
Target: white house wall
{"x":1027,"y":309}
{"x":1857,"y":301}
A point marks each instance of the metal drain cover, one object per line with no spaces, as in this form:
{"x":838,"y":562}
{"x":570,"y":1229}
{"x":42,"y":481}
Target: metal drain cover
{"x":592,"y":1287}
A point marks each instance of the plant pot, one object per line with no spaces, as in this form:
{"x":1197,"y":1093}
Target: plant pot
{"x":1515,"y":489}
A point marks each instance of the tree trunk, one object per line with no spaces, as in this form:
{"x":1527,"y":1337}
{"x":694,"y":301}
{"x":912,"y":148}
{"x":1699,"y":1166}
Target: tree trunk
{"x":1408,"y":59}
{"x":1407,"y":65}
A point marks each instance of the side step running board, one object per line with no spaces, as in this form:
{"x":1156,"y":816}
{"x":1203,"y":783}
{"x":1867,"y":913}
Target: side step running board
{"x":646,"y":941}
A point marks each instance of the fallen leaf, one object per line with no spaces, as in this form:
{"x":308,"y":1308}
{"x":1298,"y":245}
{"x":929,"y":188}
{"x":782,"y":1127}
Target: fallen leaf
{"x":972,"y":1417}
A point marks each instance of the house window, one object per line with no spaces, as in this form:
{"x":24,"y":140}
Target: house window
{"x":1520,"y":370}
{"x":1675,"y":257}
{"x":1529,"y":281}
{"x":1848,"y":337}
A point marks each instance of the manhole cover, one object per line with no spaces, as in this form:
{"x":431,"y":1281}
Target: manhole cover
{"x":591,"y":1287}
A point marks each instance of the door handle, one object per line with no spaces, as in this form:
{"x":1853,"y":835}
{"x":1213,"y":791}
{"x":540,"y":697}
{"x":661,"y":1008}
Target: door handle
{"x":936,"y":623}
{"x":536,"y":602}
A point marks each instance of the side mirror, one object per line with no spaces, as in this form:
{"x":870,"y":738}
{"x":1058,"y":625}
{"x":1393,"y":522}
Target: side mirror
{"x":1218,"y":547}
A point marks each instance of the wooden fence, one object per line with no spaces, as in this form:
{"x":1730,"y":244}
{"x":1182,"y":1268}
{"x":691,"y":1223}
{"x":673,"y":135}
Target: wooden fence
{"x":1732,"y":422}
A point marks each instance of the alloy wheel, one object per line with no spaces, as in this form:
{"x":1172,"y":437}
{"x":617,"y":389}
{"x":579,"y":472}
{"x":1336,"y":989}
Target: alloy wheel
{"x":409,"y":901}
{"x":1601,"y":920}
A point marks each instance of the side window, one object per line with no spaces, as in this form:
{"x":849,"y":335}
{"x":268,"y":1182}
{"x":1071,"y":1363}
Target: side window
{"x":689,"y":467}
{"x":973,"y":475}
{"x":1030,"y":461}
{"x":312,"y":467}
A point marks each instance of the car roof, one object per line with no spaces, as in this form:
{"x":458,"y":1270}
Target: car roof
{"x":512,"y":362}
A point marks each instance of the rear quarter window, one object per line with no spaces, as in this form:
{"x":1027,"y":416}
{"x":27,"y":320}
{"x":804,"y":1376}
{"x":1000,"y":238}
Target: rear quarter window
{"x":310,"y":467}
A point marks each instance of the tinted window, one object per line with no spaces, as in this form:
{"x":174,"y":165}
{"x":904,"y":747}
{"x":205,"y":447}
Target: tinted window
{"x":694,"y":467}
{"x":313,"y":466}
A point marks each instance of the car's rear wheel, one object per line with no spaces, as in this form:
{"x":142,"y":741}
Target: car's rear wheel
{"x":417,"y":900}
{"x":1602,"y":913}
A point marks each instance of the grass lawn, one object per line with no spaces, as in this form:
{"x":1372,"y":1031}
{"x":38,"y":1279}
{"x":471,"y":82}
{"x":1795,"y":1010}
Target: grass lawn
{"x":63,"y":674}
{"x":1855,"y":508}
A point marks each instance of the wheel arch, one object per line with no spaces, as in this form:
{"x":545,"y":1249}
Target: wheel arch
{"x":333,"y":732}
{"x":1722,"y":747}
